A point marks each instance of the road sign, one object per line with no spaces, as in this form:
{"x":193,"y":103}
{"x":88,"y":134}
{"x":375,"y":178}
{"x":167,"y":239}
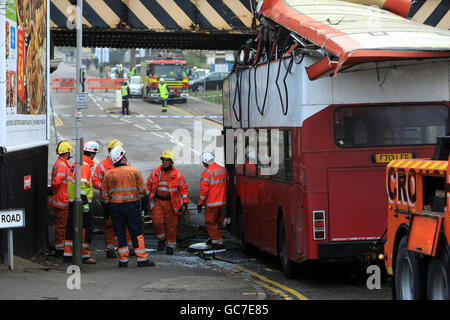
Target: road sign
{"x":81,"y":100}
{"x":12,"y":218}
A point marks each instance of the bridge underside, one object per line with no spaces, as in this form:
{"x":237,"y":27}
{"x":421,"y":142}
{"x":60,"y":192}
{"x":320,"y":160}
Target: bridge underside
{"x":149,"y":39}
{"x":183,"y":24}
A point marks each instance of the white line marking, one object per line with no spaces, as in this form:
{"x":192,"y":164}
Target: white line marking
{"x":140,"y":127}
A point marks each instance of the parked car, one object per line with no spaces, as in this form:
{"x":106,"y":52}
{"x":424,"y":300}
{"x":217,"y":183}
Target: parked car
{"x":212,"y":81}
{"x":136,"y":86}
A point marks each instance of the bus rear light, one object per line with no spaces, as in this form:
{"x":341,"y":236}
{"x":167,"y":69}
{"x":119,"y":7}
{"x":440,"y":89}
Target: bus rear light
{"x":319,"y":225}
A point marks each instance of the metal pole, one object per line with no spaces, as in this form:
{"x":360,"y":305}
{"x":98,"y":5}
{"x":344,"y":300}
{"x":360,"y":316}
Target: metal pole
{"x":11,"y":249}
{"x":78,"y":204}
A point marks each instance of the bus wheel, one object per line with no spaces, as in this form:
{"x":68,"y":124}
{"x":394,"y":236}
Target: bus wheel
{"x":245,"y":247}
{"x":287,"y":265}
{"x":409,"y":274}
{"x":438,"y":278}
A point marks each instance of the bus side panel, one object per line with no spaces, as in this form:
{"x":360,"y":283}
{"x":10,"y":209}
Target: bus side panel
{"x":247,"y":191}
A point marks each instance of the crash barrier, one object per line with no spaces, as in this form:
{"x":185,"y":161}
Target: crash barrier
{"x":92,"y":84}
{"x":65,"y":115}
{"x":63,"y":84}
{"x":104,"y":84}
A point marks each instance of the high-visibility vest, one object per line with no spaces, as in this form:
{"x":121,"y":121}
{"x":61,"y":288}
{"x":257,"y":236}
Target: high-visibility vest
{"x":85,"y":180}
{"x":213,"y":186}
{"x":100,"y":172}
{"x":60,"y":172}
{"x":177,"y":187}
{"x":122,"y":184}
{"x":163,"y":91}
{"x":124,"y":90}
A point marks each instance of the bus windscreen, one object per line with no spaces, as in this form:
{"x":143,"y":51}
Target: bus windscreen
{"x":372,"y":126}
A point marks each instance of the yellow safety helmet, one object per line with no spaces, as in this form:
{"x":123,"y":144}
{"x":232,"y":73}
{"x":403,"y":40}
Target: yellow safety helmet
{"x":114,"y":143}
{"x":169,"y":155}
{"x":63,"y":147}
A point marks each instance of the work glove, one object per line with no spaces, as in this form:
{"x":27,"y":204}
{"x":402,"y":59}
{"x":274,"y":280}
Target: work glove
{"x":50,"y":191}
{"x":199,"y":207}
{"x":86,"y":208}
{"x":106,"y":210}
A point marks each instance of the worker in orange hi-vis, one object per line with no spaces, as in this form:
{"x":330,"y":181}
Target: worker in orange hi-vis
{"x":90,"y":149}
{"x":213,"y":195}
{"x":58,"y":199}
{"x":100,"y":171}
{"x":168,"y":196}
{"x":121,"y":188}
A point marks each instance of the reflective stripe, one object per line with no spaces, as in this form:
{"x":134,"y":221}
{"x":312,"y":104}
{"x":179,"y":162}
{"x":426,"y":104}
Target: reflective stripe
{"x":103,"y":168}
{"x":167,"y":189}
{"x":202,"y":197}
{"x":123,"y":260}
{"x":68,"y":243}
{"x":184,"y":196}
{"x":62,"y":204}
{"x":123,"y":197}
{"x":85,"y":245}
{"x":141,"y":259}
{"x":139,"y":250}
{"x":172,"y":244}
{"x":163,"y":183}
{"x":86,"y":256}
{"x":60,"y":174}
{"x":98,"y":176}
{"x":123,"y":250}
{"x":219,"y":181}
{"x":160,"y":236}
{"x":205,"y":179}
{"x":215,"y":203}
{"x":122,"y":189}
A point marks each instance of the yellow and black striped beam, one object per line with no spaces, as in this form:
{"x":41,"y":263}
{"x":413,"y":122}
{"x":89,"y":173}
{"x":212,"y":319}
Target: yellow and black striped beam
{"x":435,"y":13}
{"x":183,"y":24}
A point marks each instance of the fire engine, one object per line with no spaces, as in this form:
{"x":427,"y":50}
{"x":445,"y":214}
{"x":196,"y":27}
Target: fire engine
{"x":172,"y":70}
{"x":418,"y":242}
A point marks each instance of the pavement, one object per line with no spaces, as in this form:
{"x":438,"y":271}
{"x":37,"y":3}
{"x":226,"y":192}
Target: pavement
{"x":183,"y":276}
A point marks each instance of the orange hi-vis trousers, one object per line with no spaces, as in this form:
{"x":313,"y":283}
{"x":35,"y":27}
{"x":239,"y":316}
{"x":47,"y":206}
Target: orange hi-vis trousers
{"x":124,"y":215}
{"x":61,"y":216}
{"x":165,"y":222}
{"x":213,"y":220}
{"x":87,"y":235}
{"x":110,"y":237}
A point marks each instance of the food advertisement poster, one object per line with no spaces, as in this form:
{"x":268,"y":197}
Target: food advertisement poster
{"x":26,"y":72}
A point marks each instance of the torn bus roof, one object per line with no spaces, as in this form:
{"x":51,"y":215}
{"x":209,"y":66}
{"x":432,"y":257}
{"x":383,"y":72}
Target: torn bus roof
{"x":353,"y":33}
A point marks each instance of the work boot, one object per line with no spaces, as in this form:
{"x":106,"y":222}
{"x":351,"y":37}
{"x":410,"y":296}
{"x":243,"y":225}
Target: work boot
{"x":209,"y":241}
{"x":89,"y":261}
{"x":123,"y":264}
{"x":146,"y":263}
{"x":161,"y":245}
{"x":169,"y":251}
{"x":111,"y":253}
{"x":67,"y":259}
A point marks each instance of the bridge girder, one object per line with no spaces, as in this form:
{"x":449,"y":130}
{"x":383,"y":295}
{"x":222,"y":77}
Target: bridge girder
{"x":182,"y":24}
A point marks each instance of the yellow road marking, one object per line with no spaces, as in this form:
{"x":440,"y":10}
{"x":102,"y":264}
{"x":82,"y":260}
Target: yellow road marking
{"x":275,"y":290}
{"x":279,"y":285}
{"x":58,"y":121}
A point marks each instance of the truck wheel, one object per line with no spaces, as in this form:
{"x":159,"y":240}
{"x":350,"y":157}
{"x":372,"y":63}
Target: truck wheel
{"x":288,"y":267}
{"x":438,"y":277}
{"x":410,"y":274}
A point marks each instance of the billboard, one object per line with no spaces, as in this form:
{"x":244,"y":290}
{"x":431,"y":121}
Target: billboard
{"x":23,"y":91}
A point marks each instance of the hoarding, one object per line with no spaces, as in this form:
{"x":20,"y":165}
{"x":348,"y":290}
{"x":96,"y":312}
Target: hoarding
{"x":23,"y":93}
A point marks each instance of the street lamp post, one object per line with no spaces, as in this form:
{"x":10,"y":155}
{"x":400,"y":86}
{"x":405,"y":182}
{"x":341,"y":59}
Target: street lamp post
{"x":78,"y":204}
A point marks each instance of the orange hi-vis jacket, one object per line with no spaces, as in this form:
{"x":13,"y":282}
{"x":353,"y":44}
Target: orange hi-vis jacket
{"x":122,"y":184}
{"x":213,"y":186}
{"x":177,"y":188}
{"x":60,"y":173}
{"x":100,"y":171}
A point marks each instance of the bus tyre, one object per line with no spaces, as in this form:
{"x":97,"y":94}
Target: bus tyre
{"x":410,"y":274}
{"x":288,"y":267}
{"x":245,"y":247}
{"x":438,"y":276}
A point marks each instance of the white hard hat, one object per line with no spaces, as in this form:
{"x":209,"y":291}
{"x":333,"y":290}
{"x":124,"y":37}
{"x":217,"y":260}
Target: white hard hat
{"x":207,"y":157}
{"x":117,"y":154}
{"x":91,"y":146}
{"x":161,"y":79}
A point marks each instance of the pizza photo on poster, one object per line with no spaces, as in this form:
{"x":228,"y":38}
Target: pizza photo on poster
{"x":32,"y":56}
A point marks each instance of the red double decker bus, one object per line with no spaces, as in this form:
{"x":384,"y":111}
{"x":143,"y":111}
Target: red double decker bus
{"x":307,"y":152}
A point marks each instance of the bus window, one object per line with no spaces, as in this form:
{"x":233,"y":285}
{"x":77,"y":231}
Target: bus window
{"x":389,"y":125}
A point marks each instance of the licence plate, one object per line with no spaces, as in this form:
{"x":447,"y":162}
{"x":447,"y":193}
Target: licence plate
{"x":388,"y":157}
